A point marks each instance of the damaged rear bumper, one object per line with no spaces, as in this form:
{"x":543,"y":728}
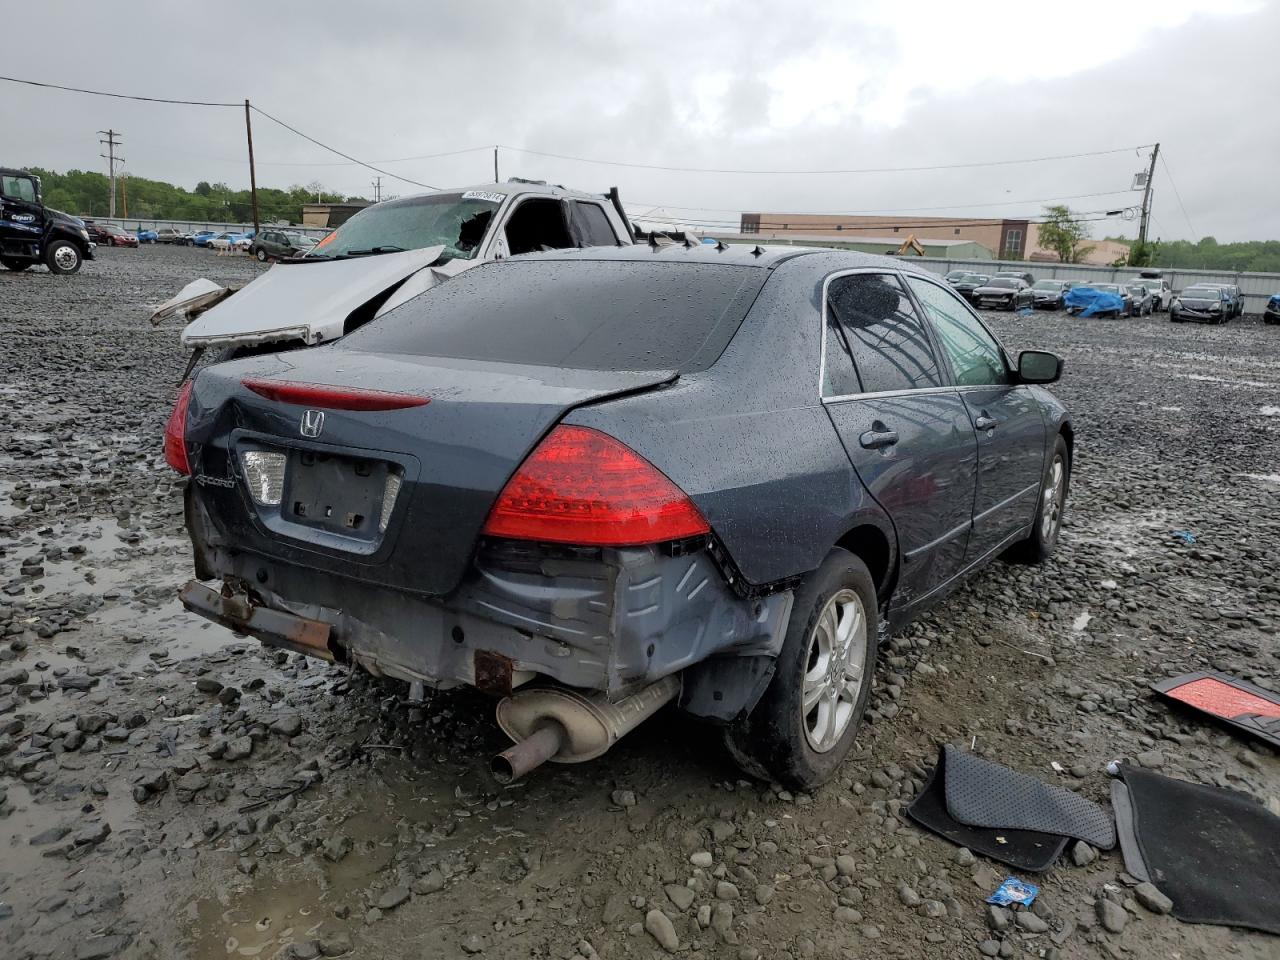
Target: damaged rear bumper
{"x":613,"y":620}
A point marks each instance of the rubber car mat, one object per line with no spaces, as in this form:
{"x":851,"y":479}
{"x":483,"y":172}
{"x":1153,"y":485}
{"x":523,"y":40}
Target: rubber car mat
{"x":1241,"y":706}
{"x":1123,"y":807}
{"x":1214,"y":852}
{"x":985,"y":794}
{"x":1021,"y":849}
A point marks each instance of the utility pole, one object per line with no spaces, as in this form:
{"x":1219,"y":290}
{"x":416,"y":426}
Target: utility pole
{"x":1146,"y":199}
{"x":112,"y":141}
{"x":376,"y":183}
{"x":253,"y":176}
{"x":495,"y":166}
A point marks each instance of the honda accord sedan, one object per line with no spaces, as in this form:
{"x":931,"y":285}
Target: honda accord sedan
{"x":596,"y":482}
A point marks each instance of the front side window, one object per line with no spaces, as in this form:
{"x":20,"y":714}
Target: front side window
{"x":18,"y":188}
{"x":975,"y":356}
{"x":873,"y":322}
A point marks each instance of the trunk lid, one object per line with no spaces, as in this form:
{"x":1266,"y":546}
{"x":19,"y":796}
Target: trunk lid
{"x":449,"y":457}
{"x":303,"y":301}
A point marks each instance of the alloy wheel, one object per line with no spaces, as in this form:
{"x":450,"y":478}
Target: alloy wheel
{"x":835,"y":670}
{"x":1051,"y":509}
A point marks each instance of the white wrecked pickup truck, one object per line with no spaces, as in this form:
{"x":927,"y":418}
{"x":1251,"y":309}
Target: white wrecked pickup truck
{"x":385,"y":255}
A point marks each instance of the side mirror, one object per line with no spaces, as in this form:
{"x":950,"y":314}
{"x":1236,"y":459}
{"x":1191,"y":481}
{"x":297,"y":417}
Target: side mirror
{"x":1037,"y":366}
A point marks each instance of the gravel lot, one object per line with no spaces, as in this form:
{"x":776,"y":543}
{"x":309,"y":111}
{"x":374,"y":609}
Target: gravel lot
{"x":168,"y":790}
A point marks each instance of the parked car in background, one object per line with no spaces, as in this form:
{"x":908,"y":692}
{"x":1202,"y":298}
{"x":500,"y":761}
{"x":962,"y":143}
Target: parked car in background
{"x":562,"y":439}
{"x":168,"y":235}
{"x":201,"y":238}
{"x":1026,"y":278}
{"x":228,"y":241}
{"x":146,"y":236}
{"x":274,"y":244}
{"x":1200,"y":304}
{"x":111,"y":235}
{"x":1120,"y":290}
{"x":1003,"y":293}
{"x":1091,"y":300}
{"x":389,"y":253}
{"x":1141,"y":302}
{"x":954,"y":275}
{"x":1235,"y":300}
{"x":1161,"y":292}
{"x":1050,"y":294}
{"x":1271,"y":314}
{"x":969,"y":283}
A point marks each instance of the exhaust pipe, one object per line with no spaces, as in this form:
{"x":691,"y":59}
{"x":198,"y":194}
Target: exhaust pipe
{"x":564,"y":726}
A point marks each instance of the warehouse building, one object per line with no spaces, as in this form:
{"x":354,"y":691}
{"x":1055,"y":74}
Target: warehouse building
{"x":956,"y":249}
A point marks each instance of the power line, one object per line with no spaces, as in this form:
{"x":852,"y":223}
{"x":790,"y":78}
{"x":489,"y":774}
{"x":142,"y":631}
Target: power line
{"x":346,"y":156}
{"x":1169,"y":173}
{"x":940,"y":166}
{"x":118,"y":96}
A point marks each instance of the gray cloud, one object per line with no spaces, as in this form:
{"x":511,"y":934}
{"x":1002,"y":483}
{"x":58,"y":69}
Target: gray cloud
{"x":691,"y":85}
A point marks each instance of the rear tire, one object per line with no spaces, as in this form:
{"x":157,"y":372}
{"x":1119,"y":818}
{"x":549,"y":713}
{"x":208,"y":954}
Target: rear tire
{"x":17,"y":266}
{"x":63,"y":257}
{"x":1047,"y":524}
{"x":827,"y":661}
{"x":261,"y":254}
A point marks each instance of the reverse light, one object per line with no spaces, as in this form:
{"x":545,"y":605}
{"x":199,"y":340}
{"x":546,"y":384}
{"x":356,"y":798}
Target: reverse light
{"x":329,"y":397}
{"x":582,"y":486}
{"x":175,"y":431}
{"x":264,"y":475}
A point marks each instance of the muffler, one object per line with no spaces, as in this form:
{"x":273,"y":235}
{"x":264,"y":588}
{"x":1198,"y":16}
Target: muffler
{"x":564,"y":726}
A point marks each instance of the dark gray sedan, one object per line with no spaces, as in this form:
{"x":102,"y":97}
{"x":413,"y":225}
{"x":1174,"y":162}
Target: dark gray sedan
{"x":594,"y":482}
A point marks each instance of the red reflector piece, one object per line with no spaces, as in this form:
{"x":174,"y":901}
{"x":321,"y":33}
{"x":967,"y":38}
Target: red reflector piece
{"x":582,"y":486}
{"x":175,"y":431}
{"x":333,"y":398}
{"x":1222,"y":699}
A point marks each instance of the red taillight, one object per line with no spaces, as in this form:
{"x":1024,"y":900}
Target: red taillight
{"x":175,"y":431}
{"x":582,"y":486}
{"x":333,"y":398}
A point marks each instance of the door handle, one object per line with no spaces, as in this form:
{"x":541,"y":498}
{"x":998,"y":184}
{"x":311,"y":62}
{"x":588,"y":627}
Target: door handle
{"x":878,"y":439}
{"x":983,"y":422}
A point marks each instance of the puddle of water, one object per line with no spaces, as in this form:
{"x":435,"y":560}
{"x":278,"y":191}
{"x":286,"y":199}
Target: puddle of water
{"x":1264,"y":477}
{"x":1269,"y":411}
{"x":1228,"y":381}
{"x":1081,"y":621}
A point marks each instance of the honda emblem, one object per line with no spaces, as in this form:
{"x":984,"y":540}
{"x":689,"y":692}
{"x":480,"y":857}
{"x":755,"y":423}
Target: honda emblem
{"x":312,"y":423}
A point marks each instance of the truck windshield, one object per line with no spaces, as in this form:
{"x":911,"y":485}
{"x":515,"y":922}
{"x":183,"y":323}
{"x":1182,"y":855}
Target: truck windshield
{"x":456,"y":221}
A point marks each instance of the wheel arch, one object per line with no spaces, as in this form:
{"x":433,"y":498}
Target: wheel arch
{"x":877,"y":548}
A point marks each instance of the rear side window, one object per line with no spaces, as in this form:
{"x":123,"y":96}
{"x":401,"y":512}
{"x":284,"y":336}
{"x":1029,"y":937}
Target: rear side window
{"x":592,"y":225}
{"x":581,"y":314}
{"x":888,"y":343}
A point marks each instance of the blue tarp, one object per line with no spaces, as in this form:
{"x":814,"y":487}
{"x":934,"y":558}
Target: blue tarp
{"x":1088,"y":302}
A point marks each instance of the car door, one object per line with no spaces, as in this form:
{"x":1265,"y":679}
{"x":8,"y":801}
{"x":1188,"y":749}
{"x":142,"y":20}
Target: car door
{"x":1005,"y":416}
{"x":906,"y":432}
{"x":21,"y":216}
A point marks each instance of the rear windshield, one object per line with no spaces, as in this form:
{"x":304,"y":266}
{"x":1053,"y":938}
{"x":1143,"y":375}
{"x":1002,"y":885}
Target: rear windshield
{"x":581,"y":314}
{"x":1048,"y":285}
{"x":1202,"y":293}
{"x":1001,"y":282}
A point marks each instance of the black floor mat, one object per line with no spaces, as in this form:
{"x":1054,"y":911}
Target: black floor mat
{"x":1215,"y":853}
{"x":985,"y":794}
{"x":1023,"y":849}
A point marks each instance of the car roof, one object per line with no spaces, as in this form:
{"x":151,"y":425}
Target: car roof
{"x":15,"y":172}
{"x":739,"y":254}
{"x":513,"y":187}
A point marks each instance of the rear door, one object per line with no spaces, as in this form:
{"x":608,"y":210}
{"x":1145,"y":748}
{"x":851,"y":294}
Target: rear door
{"x":1005,"y":416}
{"x":906,"y":432}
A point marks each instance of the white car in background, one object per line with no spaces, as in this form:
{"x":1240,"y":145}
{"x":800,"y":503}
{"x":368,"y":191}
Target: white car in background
{"x":385,"y":255}
{"x":229,"y":241}
{"x":1161,"y":292}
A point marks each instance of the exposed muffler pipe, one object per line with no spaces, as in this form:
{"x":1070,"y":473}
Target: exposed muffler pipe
{"x":564,"y":726}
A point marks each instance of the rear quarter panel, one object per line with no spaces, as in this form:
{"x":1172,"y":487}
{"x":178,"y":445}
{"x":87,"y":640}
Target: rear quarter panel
{"x":749,"y":440}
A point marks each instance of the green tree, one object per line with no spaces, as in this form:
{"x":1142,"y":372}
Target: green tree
{"x":1063,"y":234}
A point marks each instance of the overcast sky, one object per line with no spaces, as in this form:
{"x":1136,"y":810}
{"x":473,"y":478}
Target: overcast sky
{"x":736,"y":84}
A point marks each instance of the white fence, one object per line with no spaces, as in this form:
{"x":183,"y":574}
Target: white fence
{"x":134,"y":224}
{"x":1256,"y":287}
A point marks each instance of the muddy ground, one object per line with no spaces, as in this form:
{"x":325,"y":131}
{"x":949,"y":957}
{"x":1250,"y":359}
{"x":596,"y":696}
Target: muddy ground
{"x":168,"y":790}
